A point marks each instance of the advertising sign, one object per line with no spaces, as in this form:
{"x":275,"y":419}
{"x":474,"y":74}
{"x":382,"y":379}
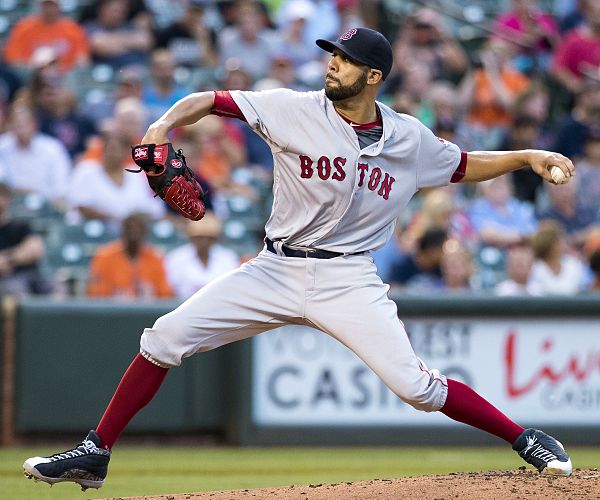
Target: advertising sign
{"x":536,"y":371}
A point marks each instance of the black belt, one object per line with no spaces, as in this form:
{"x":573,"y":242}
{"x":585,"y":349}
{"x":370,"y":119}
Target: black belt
{"x":311,"y":253}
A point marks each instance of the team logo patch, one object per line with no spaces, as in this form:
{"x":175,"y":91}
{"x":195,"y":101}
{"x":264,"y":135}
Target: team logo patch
{"x":175,"y":163}
{"x":158,"y":154}
{"x":349,"y":34}
{"x":141,"y":153}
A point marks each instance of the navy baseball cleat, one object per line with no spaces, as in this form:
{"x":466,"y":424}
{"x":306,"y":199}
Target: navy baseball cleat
{"x":544,"y":452}
{"x":86,"y":465}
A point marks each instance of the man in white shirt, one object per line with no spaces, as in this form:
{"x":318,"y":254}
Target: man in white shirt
{"x":32,"y":161}
{"x":194,"y":264}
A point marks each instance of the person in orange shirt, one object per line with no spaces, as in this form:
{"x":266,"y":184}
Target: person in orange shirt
{"x":47,"y":29}
{"x":491,"y":89}
{"x":129,"y":268}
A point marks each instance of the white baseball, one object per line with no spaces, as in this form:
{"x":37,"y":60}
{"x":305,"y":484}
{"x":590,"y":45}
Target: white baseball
{"x":558,"y":175}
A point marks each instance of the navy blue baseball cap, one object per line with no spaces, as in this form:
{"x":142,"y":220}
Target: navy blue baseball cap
{"x":364,"y":45}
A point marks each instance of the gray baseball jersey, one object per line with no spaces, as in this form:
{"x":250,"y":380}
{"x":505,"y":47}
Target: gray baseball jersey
{"x":332,"y":195}
{"x":328,"y":193}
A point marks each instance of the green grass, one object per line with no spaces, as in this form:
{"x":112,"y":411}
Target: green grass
{"x":152,"y":470}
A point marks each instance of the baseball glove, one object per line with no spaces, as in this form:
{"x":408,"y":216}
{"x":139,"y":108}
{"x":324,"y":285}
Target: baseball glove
{"x":170,"y":178}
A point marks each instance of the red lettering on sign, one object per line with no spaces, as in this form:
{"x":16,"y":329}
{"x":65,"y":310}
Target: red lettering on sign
{"x":306,"y":170}
{"x":578,"y":369}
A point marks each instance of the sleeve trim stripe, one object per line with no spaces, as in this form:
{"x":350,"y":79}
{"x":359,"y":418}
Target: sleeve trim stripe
{"x":224,"y":105}
{"x":461,"y":170}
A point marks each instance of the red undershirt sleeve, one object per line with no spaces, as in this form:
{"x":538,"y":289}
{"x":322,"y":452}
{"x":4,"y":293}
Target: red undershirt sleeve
{"x":460,"y":172}
{"x":224,"y":105}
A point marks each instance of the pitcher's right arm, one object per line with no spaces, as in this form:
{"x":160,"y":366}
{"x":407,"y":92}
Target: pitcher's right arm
{"x":186,"y":111}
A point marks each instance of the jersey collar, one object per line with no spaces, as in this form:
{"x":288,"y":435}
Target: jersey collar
{"x":364,"y":126}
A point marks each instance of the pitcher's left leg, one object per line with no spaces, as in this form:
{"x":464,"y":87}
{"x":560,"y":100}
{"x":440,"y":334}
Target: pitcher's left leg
{"x":350,"y":303}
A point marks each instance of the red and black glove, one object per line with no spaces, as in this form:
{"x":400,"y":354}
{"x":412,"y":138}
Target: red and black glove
{"x":170,"y":178}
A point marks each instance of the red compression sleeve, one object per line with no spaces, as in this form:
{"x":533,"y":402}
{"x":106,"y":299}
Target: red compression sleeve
{"x":224,"y":105}
{"x":136,"y":389}
{"x":464,"y":405}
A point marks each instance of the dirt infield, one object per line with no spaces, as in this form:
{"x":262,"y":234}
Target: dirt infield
{"x":495,"y":485}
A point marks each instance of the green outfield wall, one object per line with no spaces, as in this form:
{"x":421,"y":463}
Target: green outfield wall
{"x":67,"y":358}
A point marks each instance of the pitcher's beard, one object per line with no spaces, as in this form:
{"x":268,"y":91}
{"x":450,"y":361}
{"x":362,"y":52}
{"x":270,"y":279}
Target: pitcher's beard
{"x":341,"y":92}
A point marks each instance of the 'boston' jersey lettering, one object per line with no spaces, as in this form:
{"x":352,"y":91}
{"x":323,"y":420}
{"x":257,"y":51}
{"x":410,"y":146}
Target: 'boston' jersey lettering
{"x":326,"y":169}
{"x":328,"y":191}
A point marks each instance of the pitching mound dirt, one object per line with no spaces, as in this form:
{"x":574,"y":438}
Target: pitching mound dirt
{"x":495,"y":485}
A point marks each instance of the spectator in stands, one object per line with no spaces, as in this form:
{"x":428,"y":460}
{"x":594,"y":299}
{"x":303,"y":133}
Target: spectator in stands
{"x":438,"y":210}
{"x":129,"y":268}
{"x":588,"y":177}
{"x":115,"y":40}
{"x":282,"y":73}
{"x":10,"y":83}
{"x":569,"y":12}
{"x":457,"y":267}
{"x":31,"y":161}
{"x":248,"y":42}
{"x":535,"y":104}
{"x":578,"y":54}
{"x":128,"y":84}
{"x":322,"y":22}
{"x":104,"y":190}
{"x":442,"y":99}
{"x":523,"y":134}
{"x":498,"y":217}
{"x":519,"y":263}
{"x":556,"y":271}
{"x":292,"y":26}
{"x":47,"y":29}
{"x":191,"y":42}
{"x":129,"y":121}
{"x":414,"y":90}
{"x":533,"y":32}
{"x":161,"y":91}
{"x":563,"y":208}
{"x":424,"y":40}
{"x":349,"y":13}
{"x":488,"y":92}
{"x":592,"y":241}
{"x":59,"y":117}
{"x":193,"y":265}
{"x":594,"y":263}
{"x":20,"y":253}
{"x":573,"y":129}
{"x":421,"y":269}
{"x":45,"y":73}
{"x":220,"y":150}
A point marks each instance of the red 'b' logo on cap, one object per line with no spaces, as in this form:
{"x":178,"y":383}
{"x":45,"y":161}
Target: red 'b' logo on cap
{"x":349,"y":34}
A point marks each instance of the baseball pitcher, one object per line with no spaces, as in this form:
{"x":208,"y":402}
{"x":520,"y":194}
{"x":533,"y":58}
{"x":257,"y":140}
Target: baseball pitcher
{"x":345,"y":168}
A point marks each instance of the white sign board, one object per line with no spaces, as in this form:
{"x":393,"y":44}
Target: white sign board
{"x":536,"y":371}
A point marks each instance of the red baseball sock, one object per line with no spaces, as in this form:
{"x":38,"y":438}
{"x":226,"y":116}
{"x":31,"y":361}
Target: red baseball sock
{"x":464,"y":405}
{"x":136,"y":389}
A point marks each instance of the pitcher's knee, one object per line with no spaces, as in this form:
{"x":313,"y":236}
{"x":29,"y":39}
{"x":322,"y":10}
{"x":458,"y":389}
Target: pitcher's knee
{"x":426,"y":393}
{"x":164,"y":344}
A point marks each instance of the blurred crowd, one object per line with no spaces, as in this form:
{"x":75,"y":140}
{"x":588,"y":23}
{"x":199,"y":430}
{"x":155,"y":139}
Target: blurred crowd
{"x":81,"y":81}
